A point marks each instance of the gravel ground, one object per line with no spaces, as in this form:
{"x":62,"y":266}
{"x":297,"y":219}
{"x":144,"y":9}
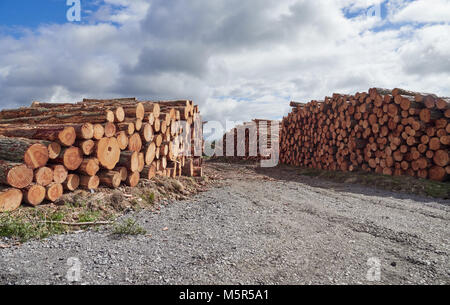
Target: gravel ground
{"x":263,"y":227}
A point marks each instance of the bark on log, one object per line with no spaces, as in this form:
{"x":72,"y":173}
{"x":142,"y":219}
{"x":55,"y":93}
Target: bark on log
{"x":34,"y":153}
{"x":129,"y":160}
{"x":72,"y":182}
{"x":56,"y":133}
{"x":89,"y":182}
{"x":89,"y":167}
{"x":111,"y":179}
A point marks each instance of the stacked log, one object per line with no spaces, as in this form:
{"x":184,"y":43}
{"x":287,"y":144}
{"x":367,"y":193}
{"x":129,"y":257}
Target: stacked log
{"x":392,"y":132}
{"x":48,"y":149}
{"x":252,"y":141}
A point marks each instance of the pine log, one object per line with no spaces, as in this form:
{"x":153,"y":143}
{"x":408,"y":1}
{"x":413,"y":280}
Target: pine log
{"x":129,"y":160}
{"x":141,"y":163}
{"x":135,"y":143}
{"x":108,"y":152}
{"x":129,"y":128}
{"x":99,"y":131}
{"x":56,"y":133}
{"x":89,"y":182}
{"x":34,"y":153}
{"x":70,"y":157}
{"x":150,"y":153}
{"x":64,"y":118}
{"x":111,"y":179}
{"x":43,"y":176}
{"x":10,"y":199}
{"x":110,"y":130}
{"x":89,"y":167}
{"x":123,"y":173}
{"x":72,"y":182}
{"x":133,"y":179}
{"x":149,"y":172}
{"x":86,"y":146}
{"x":34,"y":194}
{"x":147,"y":133}
{"x":54,"y":150}
{"x":54,"y":192}
{"x":15,"y":174}
{"x":122,"y":139}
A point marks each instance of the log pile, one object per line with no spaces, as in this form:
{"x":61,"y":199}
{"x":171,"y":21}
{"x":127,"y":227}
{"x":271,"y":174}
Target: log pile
{"x":252,"y":141}
{"x":48,"y":149}
{"x":392,"y":132}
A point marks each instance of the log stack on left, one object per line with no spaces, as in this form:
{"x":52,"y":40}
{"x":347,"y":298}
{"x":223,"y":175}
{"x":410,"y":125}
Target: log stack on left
{"x":49,"y":148}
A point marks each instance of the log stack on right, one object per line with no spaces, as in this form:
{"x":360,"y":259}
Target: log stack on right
{"x":392,"y":132}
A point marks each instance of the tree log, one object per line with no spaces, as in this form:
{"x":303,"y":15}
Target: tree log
{"x":110,"y":179}
{"x":89,"y":182}
{"x":43,"y":176}
{"x":72,"y":182}
{"x":56,"y":133}
{"x":10,"y":199}
{"x":108,"y":152}
{"x":34,"y":153}
{"x":34,"y":194}
{"x":70,"y":157}
{"x":15,"y":174}
{"x":54,"y":192}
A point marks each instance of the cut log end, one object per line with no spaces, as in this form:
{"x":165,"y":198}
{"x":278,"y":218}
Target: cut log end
{"x":72,"y":182}
{"x":10,"y":199}
{"x":34,"y":195}
{"x":36,"y":156}
{"x":108,"y":152}
{"x":60,"y":173}
{"x":43,"y":176}
{"x":54,"y":192}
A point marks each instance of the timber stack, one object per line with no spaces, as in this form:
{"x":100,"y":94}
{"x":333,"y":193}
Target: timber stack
{"x":48,"y":149}
{"x":251,"y":141}
{"x":391,"y":132}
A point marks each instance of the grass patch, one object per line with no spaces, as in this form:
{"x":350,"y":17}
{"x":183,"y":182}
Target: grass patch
{"x":88,"y":216}
{"x":23,"y":231}
{"x":129,"y":227}
{"x":148,"y":198}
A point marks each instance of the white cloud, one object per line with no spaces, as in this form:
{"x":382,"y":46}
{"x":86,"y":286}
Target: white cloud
{"x":239,"y":60}
{"x":421,"y":11}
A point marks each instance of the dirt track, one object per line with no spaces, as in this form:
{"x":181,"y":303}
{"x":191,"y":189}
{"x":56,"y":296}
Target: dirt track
{"x":274,"y":227}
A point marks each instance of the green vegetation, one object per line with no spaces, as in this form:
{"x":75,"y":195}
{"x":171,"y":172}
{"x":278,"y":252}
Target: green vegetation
{"x":89,"y":216}
{"x":16,"y":228}
{"x":148,"y":198}
{"x":129,"y":227}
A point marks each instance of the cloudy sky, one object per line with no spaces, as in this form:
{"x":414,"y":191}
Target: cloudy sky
{"x":238,"y":59}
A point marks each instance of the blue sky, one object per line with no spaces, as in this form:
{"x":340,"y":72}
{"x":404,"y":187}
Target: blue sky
{"x":31,"y":13}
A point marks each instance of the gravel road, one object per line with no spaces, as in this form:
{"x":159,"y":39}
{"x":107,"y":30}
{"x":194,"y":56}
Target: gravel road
{"x":257,"y":227}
